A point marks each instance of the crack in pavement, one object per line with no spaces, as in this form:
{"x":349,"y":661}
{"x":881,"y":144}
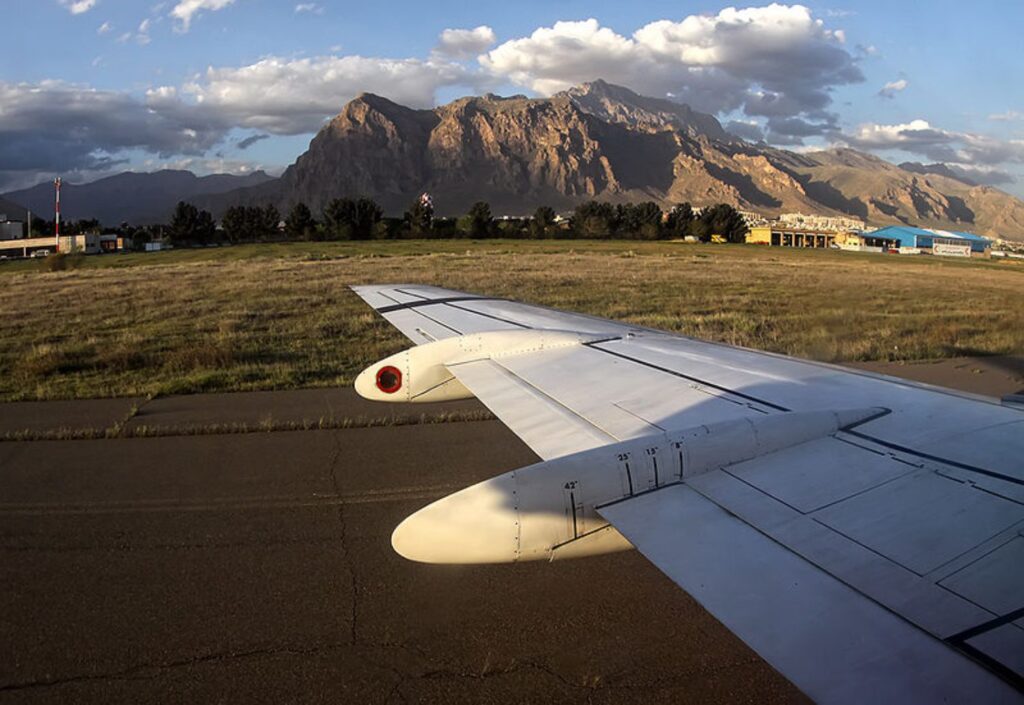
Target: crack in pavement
{"x":119,"y":548}
{"x":343,"y":539}
{"x":225,"y":504}
{"x":152,"y":670}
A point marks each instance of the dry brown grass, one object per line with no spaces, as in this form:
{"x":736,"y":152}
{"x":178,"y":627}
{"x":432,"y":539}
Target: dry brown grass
{"x":285,"y":322}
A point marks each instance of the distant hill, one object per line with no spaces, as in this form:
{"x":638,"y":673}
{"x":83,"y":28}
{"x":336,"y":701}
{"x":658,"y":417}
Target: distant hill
{"x":600,"y":141}
{"x":133,"y":197}
{"x":12,"y":210}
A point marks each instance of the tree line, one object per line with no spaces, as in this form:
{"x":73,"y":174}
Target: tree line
{"x":364,"y":219}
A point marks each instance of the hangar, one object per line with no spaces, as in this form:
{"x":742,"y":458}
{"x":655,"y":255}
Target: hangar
{"x":910,"y":240}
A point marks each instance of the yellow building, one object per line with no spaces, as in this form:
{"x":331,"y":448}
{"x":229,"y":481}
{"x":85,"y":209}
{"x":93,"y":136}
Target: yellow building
{"x":780,"y":235}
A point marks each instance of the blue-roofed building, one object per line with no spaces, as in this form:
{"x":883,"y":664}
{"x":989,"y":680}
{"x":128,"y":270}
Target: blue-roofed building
{"x":939,"y":242}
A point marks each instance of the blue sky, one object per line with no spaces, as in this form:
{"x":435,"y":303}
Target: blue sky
{"x":91,"y":87}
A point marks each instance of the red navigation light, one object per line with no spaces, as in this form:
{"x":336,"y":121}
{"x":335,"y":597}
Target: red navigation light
{"x":389,"y":379}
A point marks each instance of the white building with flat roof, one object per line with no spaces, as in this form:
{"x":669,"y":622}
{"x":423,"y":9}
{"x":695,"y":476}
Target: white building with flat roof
{"x":829,"y":223}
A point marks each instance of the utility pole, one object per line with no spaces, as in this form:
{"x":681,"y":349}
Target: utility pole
{"x":56,"y":227}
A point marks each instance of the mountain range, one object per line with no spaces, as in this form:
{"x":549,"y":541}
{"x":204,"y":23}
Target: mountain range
{"x":137,"y":198}
{"x":595,"y":141}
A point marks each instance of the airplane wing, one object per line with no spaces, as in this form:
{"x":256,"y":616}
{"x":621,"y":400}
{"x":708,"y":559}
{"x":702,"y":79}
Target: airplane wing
{"x":876,"y":557}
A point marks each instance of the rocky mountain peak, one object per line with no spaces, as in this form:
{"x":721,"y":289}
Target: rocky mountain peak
{"x":619,"y":104}
{"x":603,"y":141}
{"x":938,"y":169}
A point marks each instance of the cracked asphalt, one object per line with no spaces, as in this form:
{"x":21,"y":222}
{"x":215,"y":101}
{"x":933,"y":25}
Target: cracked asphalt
{"x":256,"y":567}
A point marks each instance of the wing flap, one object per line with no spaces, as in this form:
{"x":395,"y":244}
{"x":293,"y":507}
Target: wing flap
{"x":833,"y":642}
{"x":550,"y":429}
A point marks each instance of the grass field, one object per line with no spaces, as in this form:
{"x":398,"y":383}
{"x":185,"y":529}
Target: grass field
{"x":279,"y":316}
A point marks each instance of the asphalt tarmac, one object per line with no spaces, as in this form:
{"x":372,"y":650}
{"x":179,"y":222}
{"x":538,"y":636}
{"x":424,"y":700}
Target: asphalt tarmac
{"x":256,"y":567}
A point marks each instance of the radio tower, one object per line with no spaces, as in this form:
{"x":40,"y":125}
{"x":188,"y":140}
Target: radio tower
{"x":56,"y":227}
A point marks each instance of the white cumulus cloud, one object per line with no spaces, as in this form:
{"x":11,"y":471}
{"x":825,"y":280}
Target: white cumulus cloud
{"x":292,"y":96}
{"x":186,"y":10}
{"x":920,"y":137}
{"x":772,"y":60}
{"x":104,"y":28}
{"x":465,"y":43}
{"x":311,"y":7}
{"x":77,"y":7}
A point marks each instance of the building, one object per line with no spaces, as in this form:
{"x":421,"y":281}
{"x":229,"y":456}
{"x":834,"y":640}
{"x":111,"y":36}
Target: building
{"x":88,"y":243}
{"x":909,"y":240}
{"x":781,"y":235}
{"x":113,"y":242}
{"x":821,"y":223}
{"x":753,"y":220}
{"x":11,"y":229}
{"x":864,"y":242}
{"x":23,"y":247}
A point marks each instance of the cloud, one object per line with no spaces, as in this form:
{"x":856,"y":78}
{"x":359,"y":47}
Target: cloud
{"x":784,"y":127}
{"x":251,"y":140}
{"x":141,"y":36}
{"x":749,"y":130}
{"x":201,"y":165}
{"x":64,"y":128}
{"x":294,"y":96}
{"x":311,"y":7}
{"x":104,"y":28}
{"x":90,"y":130}
{"x":988,"y":176}
{"x":77,"y":7}
{"x":186,"y":10}
{"x":890,"y":89}
{"x":1008,"y":116}
{"x":770,"y":70}
{"x":465,"y":43}
{"x":773,"y":60}
{"x":965,"y":149}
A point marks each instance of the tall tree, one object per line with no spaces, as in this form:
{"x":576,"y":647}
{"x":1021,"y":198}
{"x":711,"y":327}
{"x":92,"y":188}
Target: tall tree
{"x":337,"y":217}
{"x":189,"y":224}
{"x":641,"y":221}
{"x":348,"y":219}
{"x":366,"y":215}
{"x":236,"y":224}
{"x":270,"y":220}
{"x":184,"y":222}
{"x":300,"y":225}
{"x":543,"y":222}
{"x":420,"y":216}
{"x":206,"y":229}
{"x":480,"y":220}
{"x":723,"y":220}
{"x":677,"y":224}
{"x":594,"y":219}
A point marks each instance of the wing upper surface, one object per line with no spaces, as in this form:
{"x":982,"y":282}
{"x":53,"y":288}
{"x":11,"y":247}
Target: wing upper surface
{"x":917,"y":516}
{"x":672,"y":382}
